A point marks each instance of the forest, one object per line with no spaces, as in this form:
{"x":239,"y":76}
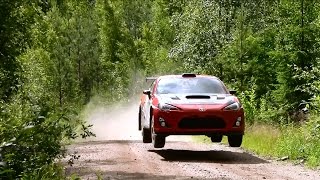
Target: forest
{"x":56,"y":56}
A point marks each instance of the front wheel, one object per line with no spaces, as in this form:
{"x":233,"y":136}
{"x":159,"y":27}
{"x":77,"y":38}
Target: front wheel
{"x":158,"y":141}
{"x":235,"y":140}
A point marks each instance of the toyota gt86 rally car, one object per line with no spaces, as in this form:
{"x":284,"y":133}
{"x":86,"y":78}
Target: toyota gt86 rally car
{"x":190,"y":104}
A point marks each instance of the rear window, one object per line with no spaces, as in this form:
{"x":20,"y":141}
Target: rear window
{"x":196,"y":85}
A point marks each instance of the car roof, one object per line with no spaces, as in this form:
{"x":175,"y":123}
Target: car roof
{"x":181,"y":76}
{"x":185,"y":75}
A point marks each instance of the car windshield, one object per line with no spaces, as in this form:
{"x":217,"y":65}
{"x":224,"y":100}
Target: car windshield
{"x":196,"y":85}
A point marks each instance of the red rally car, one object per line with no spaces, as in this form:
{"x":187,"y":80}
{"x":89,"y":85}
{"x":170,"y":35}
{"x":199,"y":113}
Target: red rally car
{"x":190,"y":104}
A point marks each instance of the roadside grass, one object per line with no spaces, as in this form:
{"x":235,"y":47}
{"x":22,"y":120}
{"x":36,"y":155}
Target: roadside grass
{"x":261,"y":139}
{"x":298,"y":143}
{"x":301,"y":143}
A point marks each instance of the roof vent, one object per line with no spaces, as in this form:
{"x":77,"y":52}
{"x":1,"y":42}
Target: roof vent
{"x":188,"y":75}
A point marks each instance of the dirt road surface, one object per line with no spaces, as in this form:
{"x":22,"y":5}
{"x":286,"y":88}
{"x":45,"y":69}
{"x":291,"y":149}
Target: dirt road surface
{"x":118,"y":153}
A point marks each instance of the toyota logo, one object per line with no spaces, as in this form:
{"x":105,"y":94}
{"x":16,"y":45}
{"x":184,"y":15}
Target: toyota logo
{"x":202,"y":109}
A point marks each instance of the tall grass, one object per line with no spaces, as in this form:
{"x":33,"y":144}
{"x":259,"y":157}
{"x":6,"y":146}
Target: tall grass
{"x":301,"y":143}
{"x":261,"y":139}
{"x":297,"y":142}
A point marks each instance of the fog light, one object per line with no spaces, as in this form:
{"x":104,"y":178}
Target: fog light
{"x":238,"y":122}
{"x":162,"y":122}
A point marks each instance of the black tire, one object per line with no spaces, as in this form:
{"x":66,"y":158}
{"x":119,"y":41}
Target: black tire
{"x":216,"y":138}
{"x":158,"y":141}
{"x":235,"y":140}
{"x":146,"y":135}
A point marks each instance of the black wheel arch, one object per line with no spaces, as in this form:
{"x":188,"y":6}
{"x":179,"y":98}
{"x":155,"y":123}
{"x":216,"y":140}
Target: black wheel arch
{"x":150,"y":116}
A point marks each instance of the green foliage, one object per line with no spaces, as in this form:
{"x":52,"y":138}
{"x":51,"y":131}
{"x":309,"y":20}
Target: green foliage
{"x":297,"y":51}
{"x":16,"y":17}
{"x":61,"y":54}
{"x":32,"y":135}
{"x":58,"y":72}
{"x":249,"y":104}
{"x":157,"y":39}
{"x":198,"y":37}
{"x":52,"y":171}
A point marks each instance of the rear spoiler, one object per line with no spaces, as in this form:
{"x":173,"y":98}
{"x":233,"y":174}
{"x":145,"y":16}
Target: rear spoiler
{"x":151,"y":79}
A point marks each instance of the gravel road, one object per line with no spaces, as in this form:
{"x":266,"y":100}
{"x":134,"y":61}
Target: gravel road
{"x":118,"y":153}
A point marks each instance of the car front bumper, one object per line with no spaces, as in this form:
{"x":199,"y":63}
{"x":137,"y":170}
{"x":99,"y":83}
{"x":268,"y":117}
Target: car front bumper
{"x":196,"y":122}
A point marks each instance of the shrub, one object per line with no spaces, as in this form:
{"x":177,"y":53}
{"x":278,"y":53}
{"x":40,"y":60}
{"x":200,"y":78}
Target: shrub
{"x":33,"y":137}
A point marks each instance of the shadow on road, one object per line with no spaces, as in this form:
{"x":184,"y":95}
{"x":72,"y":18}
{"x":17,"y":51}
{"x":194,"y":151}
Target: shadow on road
{"x":223,"y":157}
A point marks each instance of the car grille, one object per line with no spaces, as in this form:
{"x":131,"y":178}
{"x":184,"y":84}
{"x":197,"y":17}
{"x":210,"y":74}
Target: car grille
{"x":202,"y":123}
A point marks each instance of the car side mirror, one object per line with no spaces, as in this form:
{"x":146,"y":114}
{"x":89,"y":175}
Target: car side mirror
{"x":147,"y":92}
{"x":233,"y":92}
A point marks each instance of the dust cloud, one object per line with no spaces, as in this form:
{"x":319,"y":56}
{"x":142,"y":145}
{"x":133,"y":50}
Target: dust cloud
{"x":119,"y":122}
{"x":115,"y":123}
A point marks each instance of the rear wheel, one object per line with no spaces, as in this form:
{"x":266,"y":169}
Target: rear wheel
{"x":235,"y":140}
{"x":216,"y":138}
{"x":158,"y":141}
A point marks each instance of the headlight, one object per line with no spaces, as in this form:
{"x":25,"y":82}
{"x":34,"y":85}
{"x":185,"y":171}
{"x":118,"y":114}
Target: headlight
{"x":233,"y":107}
{"x":167,"y":107}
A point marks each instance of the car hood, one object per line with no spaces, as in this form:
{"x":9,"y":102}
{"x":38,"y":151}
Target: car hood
{"x":196,"y":98}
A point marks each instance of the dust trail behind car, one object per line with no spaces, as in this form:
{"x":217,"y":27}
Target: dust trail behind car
{"x":118,"y":122}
